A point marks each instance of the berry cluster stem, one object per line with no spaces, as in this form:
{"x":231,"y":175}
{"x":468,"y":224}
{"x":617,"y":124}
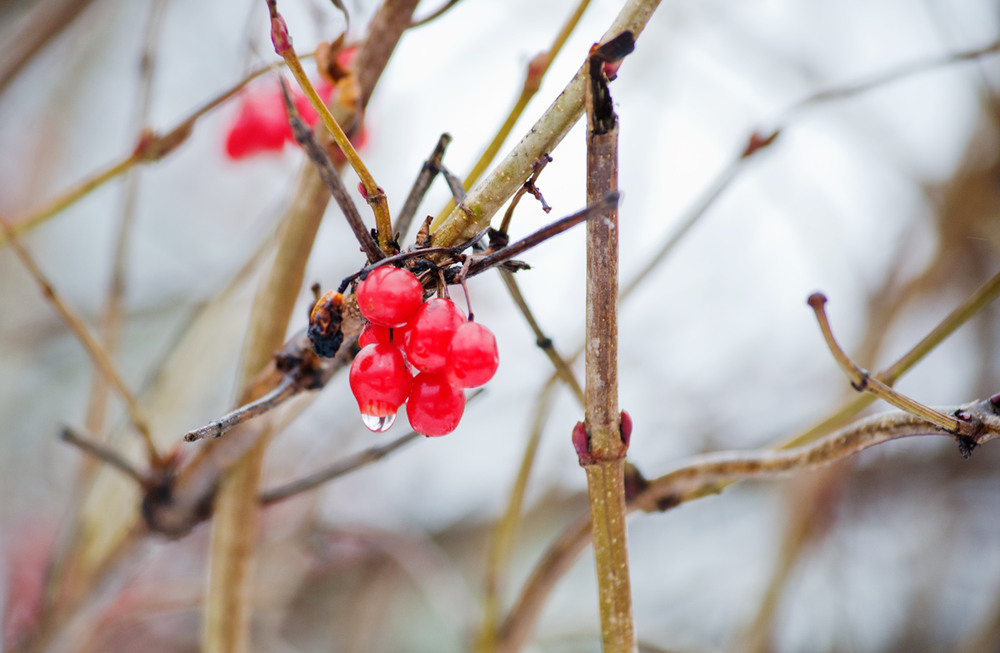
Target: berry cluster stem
{"x":282,"y":41}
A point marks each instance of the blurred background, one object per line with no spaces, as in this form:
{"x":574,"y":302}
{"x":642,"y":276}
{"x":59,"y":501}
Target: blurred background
{"x":887,"y":200}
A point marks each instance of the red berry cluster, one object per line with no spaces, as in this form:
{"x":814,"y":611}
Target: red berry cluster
{"x":447,"y":352}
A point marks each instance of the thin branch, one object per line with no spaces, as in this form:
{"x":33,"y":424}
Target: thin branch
{"x":709,"y":474}
{"x":423,"y":182}
{"x":216,"y":429}
{"x":317,"y":154}
{"x":515,"y":249}
{"x":486,"y":198}
{"x":338,"y":469}
{"x":527,"y":187}
{"x":151,"y":148}
{"x":282,"y":41}
{"x":103,"y":453}
{"x":689,"y":481}
{"x":98,"y":354}
{"x":862,"y":381}
{"x":534,"y":75}
{"x":437,"y":13}
{"x":563,"y":370}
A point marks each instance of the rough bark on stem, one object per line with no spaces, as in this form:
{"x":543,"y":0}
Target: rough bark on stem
{"x":605,"y":445}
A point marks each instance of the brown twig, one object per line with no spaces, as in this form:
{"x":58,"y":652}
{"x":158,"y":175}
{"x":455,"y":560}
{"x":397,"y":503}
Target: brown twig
{"x":862,"y":381}
{"x":563,"y":370}
{"x":534,"y":75}
{"x":603,"y":453}
{"x":104,"y":453}
{"x":691,"y":480}
{"x":486,"y":198}
{"x":282,"y":41}
{"x":527,"y":187}
{"x":284,"y":391}
{"x":423,"y":182}
{"x":98,"y":354}
{"x":317,"y":154}
{"x":343,"y":467}
{"x":705,"y":475}
{"x":437,"y":13}
{"x":517,"y":248}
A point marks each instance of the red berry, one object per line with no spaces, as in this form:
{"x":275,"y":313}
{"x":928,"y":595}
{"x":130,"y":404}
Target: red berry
{"x":474,"y":358}
{"x":389,"y":296}
{"x":372,"y":334}
{"x":434,"y":406}
{"x":428,"y":337}
{"x":380,"y":382}
{"x":262,"y":126}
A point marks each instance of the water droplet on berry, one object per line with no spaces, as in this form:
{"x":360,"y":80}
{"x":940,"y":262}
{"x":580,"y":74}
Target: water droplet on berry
{"x":378,"y":424}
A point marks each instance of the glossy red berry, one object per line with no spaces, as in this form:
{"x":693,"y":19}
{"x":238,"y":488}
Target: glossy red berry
{"x":473,"y":357}
{"x":434,"y":406}
{"x":372,"y":334}
{"x":428,"y":338}
{"x":389,"y":296}
{"x":380,"y":382}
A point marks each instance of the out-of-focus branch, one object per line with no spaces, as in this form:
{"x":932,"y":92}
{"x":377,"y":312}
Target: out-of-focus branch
{"x":709,"y":474}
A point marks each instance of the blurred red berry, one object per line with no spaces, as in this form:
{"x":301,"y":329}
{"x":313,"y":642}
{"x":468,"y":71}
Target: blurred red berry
{"x":261,"y":126}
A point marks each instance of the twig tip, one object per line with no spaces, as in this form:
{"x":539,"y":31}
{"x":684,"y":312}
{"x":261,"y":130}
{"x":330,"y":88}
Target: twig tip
{"x":816,"y":300}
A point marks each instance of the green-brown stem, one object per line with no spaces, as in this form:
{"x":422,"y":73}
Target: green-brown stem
{"x":376,"y":198}
{"x":151,"y":147}
{"x":605,"y":460}
{"x":862,"y":381}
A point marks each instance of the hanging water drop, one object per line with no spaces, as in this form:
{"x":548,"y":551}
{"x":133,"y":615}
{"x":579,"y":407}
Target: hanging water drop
{"x":378,"y":424}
